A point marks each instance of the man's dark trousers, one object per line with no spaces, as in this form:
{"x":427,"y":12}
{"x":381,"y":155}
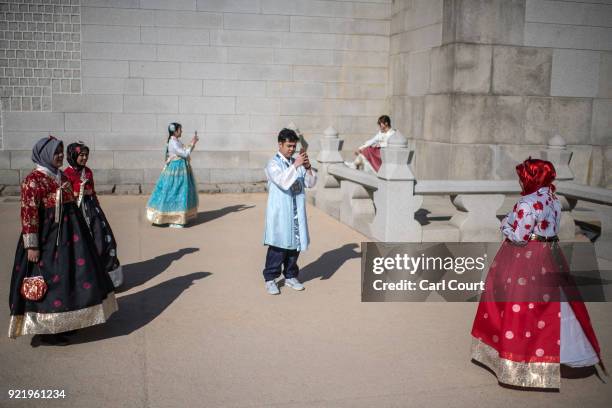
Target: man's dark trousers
{"x":278,"y":258}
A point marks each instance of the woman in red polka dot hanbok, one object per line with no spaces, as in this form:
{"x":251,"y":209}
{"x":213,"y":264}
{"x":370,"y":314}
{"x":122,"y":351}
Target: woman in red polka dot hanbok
{"x":523,"y":330}
{"x":57,"y":246}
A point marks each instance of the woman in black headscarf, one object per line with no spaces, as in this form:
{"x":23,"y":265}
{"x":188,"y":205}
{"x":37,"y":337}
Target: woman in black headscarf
{"x":81,"y":178}
{"x":58,"y":284}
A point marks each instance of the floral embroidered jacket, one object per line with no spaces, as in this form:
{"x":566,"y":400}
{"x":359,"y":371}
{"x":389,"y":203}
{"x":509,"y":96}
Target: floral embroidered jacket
{"x":39,"y":190}
{"x":536,"y":213}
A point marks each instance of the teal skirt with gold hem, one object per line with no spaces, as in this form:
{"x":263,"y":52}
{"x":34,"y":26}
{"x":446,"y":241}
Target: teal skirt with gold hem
{"x":175,"y":196}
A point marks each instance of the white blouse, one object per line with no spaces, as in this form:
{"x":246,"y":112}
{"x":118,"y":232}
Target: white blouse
{"x":379,"y":140}
{"x":176,"y":148}
{"x":536,"y":213}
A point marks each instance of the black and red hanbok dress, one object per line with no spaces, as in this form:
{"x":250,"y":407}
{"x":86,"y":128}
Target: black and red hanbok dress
{"x":85,"y":194}
{"x":80,"y":292}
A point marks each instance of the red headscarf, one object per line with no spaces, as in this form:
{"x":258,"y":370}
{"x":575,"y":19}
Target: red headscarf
{"x":535,"y":174}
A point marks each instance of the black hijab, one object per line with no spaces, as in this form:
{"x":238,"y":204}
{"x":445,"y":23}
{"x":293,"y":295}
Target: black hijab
{"x":72,"y":153}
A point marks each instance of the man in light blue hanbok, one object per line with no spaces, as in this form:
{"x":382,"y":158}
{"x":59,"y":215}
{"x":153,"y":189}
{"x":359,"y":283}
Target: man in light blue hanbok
{"x":286,"y":223}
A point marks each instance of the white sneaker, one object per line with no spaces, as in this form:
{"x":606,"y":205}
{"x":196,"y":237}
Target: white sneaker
{"x":272,"y":288}
{"x":293,"y":283}
{"x":177,"y":226}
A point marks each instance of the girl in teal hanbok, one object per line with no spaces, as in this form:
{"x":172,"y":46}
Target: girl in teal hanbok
{"x":175,"y":197}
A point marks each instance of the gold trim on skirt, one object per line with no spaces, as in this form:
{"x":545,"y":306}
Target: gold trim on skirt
{"x":51,"y":323}
{"x":177,"y":217}
{"x":529,"y":375}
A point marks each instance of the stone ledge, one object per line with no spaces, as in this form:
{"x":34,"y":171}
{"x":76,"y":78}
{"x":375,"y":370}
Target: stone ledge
{"x":147,"y":188}
{"x":255,"y":187}
{"x":102,"y":189}
{"x":214,"y":188}
{"x":11,"y":191}
{"x":127,"y":189}
{"x":208,"y":188}
{"x":231,"y":188}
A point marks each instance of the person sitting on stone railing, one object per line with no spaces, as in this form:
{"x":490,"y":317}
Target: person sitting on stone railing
{"x":368,"y":155}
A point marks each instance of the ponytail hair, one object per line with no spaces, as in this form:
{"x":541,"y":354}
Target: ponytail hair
{"x":172,"y":128}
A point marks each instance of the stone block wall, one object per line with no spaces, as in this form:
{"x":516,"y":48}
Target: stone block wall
{"x":40,"y":52}
{"x":499,"y":79}
{"x":236,"y":71}
{"x":477,"y":84}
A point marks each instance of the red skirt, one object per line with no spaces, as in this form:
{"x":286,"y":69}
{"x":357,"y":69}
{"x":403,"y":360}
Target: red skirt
{"x":372,"y":155}
{"x":519,"y":338}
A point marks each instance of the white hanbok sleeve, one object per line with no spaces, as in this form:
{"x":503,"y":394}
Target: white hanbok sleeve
{"x":177,"y":148}
{"x":374,"y":140}
{"x":310,"y":178}
{"x":283,"y":178}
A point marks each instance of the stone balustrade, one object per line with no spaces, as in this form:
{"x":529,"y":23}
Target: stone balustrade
{"x":601,"y":199}
{"x":383,"y":206}
{"x":327,"y":194}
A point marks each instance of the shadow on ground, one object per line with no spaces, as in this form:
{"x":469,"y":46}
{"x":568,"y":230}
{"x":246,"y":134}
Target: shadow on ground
{"x":207,"y":216}
{"x":139,"y":309}
{"x":329,"y":263}
{"x":138,"y":273}
{"x":579,"y":372}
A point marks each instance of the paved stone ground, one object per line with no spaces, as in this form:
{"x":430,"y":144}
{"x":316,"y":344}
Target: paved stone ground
{"x":195,"y":328}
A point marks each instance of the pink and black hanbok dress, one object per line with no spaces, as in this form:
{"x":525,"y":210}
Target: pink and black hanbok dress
{"x":80,"y":292}
{"x":86,"y":199}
